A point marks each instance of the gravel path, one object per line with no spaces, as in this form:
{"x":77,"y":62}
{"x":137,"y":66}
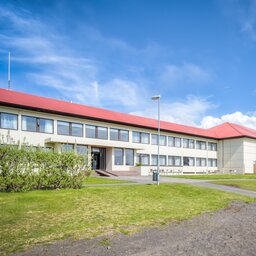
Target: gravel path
{"x":228,"y":232}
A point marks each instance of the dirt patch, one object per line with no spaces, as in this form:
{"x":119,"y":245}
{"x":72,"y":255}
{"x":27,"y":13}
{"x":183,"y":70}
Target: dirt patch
{"x":229,"y":232}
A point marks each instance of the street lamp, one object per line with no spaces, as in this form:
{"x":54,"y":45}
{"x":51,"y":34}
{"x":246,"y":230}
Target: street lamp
{"x":157,"y":97}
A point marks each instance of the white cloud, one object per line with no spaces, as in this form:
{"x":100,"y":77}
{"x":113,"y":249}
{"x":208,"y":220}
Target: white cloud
{"x":248,"y":120}
{"x":186,"y":73}
{"x":189,"y":111}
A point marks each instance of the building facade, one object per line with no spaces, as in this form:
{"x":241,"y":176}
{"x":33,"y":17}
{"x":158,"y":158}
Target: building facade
{"x":121,"y":143}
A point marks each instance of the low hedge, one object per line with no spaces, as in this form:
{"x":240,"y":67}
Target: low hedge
{"x":27,"y":169}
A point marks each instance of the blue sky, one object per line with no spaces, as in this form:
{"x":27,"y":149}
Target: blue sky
{"x":199,"y":55}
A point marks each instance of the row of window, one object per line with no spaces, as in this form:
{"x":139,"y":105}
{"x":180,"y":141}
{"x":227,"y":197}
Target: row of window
{"x":144,"y":159}
{"x":119,"y":156}
{"x":35,"y":124}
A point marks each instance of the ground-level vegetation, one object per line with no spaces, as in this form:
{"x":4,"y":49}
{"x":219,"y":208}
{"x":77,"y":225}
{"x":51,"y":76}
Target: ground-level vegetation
{"x":215,"y":176}
{"x":43,"y":216}
{"x":243,"y":184}
{"x":91,"y":180}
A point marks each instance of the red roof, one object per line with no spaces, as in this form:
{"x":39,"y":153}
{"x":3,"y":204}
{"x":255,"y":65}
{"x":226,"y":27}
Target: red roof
{"x":28,"y":101}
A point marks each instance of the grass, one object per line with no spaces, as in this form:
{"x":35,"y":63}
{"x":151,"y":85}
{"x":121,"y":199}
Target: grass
{"x":100,"y":180}
{"x":215,"y":176}
{"x":37,"y":217}
{"x":244,"y":184}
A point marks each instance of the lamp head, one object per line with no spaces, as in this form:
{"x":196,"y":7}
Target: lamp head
{"x":156,"y":97}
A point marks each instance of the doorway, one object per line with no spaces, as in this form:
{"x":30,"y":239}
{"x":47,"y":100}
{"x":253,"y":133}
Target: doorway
{"x":98,"y":158}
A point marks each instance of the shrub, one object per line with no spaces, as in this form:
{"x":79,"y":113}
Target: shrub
{"x":26,"y":169}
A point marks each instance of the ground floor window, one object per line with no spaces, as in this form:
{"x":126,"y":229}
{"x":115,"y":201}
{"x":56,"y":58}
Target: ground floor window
{"x":119,"y":156}
{"x":142,"y":159}
{"x":174,"y":160}
{"x":81,"y":150}
{"x":188,"y":161}
{"x":200,"y":161}
{"x":212,"y":162}
{"x":129,"y":157}
{"x":67,"y":148}
{"x":162,"y":160}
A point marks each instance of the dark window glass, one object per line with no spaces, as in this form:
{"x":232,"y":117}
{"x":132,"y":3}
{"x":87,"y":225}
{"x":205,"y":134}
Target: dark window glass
{"x":114,"y":134}
{"x":129,"y":157}
{"x":154,"y":139}
{"x":119,"y":156}
{"x":76,"y":129}
{"x":162,"y":140}
{"x":29,"y":123}
{"x":63,"y":128}
{"x":136,"y":137}
{"x":45,"y":125}
{"x":102,"y":133}
{"x":9,"y":121}
{"x":90,"y":131}
{"x":81,"y":149}
{"x":188,"y":161}
{"x":124,"y":135}
{"x":174,"y":160}
{"x":145,"y":138}
{"x":142,"y":159}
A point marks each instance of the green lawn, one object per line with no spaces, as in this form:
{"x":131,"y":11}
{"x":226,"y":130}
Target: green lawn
{"x":215,"y":176}
{"x":100,"y":180}
{"x":39,"y":217}
{"x":244,"y":184}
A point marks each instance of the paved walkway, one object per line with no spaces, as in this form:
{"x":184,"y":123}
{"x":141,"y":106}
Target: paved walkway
{"x":202,"y":183}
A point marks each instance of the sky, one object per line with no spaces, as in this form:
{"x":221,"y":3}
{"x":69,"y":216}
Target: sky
{"x":198,"y":55}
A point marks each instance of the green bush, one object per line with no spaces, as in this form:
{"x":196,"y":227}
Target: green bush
{"x":26,"y":169}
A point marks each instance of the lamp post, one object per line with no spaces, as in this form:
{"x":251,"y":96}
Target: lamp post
{"x":157,"y":97}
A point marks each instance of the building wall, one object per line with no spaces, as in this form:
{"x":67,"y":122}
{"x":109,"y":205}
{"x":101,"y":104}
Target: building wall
{"x":249,"y":155}
{"x":55,"y":140}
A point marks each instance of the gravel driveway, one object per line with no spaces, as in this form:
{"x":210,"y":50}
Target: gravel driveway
{"x":230,"y":231}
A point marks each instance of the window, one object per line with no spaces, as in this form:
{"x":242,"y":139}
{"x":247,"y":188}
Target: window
{"x":119,"y":156}
{"x":35,"y":124}
{"x":212,"y":162}
{"x":9,"y":121}
{"x":142,"y":159}
{"x":68,"y":128}
{"x":102,"y":133}
{"x":117,"y":134}
{"x":129,"y":157}
{"x":162,"y":160}
{"x":140,"y":137}
{"x":67,"y":148}
{"x":81,"y":150}
{"x":162,"y":141}
{"x":188,"y":161}
{"x":174,"y":160}
{"x":201,"y":145}
{"x":76,"y":129}
{"x":90,"y":131}
{"x":174,"y":142}
{"x":200,"y":161}
{"x":212,"y":146}
{"x":188,"y":143}
{"x":97,"y":132}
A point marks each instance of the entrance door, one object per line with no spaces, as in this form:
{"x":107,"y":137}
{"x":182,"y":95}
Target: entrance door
{"x":98,"y":158}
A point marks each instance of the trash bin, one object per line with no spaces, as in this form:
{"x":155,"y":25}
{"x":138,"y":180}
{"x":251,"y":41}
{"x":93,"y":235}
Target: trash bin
{"x":155,"y":176}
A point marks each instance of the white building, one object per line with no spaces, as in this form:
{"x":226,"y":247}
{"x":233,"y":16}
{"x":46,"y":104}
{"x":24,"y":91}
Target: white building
{"x":122,"y":143}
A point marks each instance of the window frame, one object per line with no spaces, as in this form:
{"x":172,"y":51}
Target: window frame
{"x":131,"y":150}
{"x":70,"y":129}
{"x":6,"y":113}
{"x":122,"y":163}
{"x":174,"y":158}
{"x":38,"y":124}
{"x":140,"y":137}
{"x":174,"y":141}
{"x":199,"y":144}
{"x":140,"y":155}
{"x":210,"y":146}
{"x":118,"y":134}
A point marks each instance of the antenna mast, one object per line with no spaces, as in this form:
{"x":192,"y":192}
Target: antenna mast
{"x":9,"y":70}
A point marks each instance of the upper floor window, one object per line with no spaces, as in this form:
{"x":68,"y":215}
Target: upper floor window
{"x":36,"y":124}
{"x":9,"y":121}
{"x":140,"y":137}
{"x":162,"y":160}
{"x":174,"y":160}
{"x":212,"y":162}
{"x":188,"y":143}
{"x":174,"y":142}
{"x":98,"y":132}
{"x":154,"y":139}
{"x":200,"y":161}
{"x":201,"y":145}
{"x":212,"y":146}
{"x":142,"y":159}
{"x":188,"y":161}
{"x":68,"y":128}
{"x":118,"y":134}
